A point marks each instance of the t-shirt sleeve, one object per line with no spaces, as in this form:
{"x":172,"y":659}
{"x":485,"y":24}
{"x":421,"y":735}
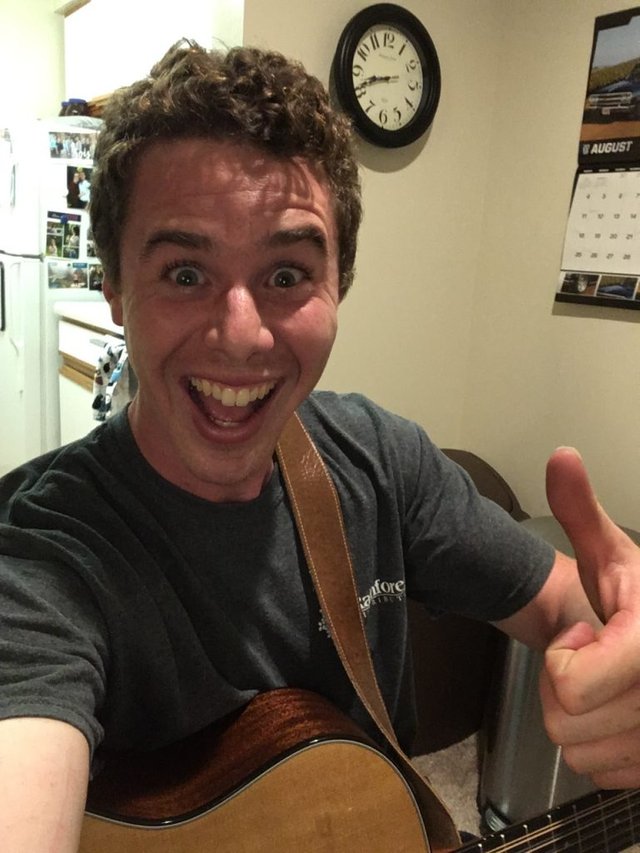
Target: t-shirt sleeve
{"x":464,"y":554}
{"x":52,"y":646}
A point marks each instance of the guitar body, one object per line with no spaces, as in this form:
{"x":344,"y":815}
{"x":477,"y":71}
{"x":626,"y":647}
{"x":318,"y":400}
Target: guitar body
{"x":289,"y":774}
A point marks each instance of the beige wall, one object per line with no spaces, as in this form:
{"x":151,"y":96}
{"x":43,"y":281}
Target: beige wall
{"x":542,"y":374}
{"x":31,"y":71}
{"x":452,"y":319}
{"x":123,"y":28}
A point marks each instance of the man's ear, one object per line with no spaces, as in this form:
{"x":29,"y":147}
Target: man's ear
{"x":114,"y":298}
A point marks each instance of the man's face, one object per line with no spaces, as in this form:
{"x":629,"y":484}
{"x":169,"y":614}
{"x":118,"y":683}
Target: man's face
{"x":229,"y":295}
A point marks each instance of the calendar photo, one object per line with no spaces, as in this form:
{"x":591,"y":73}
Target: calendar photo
{"x":611,"y":119}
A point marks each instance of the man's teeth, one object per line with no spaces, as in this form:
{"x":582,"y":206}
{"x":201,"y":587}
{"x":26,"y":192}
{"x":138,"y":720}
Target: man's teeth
{"x":230,"y":397}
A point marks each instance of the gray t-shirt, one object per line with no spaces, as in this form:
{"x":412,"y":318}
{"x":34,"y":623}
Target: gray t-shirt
{"x":140,"y":613}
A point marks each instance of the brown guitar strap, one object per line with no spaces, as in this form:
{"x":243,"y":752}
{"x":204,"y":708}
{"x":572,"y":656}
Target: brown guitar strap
{"x":320,"y":525}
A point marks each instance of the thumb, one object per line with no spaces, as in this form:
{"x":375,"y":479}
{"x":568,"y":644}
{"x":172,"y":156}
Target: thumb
{"x":593,"y":536}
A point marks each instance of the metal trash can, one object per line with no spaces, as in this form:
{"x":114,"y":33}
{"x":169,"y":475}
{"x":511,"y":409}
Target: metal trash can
{"x":523,"y":773}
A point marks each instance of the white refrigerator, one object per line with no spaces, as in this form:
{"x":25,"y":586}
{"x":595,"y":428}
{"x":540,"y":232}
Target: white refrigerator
{"x":46,"y":256}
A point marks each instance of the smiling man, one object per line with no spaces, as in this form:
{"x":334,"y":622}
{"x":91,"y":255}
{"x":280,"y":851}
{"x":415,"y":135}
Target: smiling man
{"x":228,"y":291}
{"x":151,"y":577}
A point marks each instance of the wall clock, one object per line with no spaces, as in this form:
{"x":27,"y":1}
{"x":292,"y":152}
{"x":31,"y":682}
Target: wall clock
{"x":386,"y":75}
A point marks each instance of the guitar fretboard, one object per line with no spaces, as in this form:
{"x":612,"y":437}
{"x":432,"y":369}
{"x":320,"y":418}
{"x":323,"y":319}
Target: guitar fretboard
{"x":602,"y":822}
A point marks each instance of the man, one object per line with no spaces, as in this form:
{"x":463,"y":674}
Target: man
{"x":152,"y":580}
{"x":84,"y":189}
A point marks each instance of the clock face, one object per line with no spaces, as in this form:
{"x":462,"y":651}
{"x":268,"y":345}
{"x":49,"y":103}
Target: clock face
{"x":387,"y":76}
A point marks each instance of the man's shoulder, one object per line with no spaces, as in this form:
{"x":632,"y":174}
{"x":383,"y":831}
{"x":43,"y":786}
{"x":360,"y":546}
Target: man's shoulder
{"x":26,"y":477}
{"x":353,"y":412}
{"x":55,"y":466}
{"x":353,"y":425}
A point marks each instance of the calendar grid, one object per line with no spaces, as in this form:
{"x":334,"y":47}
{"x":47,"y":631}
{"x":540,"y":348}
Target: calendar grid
{"x":601,"y":255}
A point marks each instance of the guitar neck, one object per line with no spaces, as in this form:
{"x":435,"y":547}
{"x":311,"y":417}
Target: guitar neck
{"x":602,"y":822}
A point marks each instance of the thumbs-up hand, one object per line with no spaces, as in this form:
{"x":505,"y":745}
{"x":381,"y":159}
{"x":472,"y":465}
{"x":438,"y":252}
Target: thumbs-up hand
{"x":590,"y":685}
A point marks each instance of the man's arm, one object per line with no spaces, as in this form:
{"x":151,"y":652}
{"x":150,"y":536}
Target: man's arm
{"x":560,"y":603}
{"x":44,"y":772}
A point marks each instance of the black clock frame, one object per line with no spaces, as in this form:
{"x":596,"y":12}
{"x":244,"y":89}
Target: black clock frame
{"x":405,"y":21}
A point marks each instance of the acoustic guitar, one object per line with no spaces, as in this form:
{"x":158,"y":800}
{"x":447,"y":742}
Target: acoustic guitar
{"x":291,"y":774}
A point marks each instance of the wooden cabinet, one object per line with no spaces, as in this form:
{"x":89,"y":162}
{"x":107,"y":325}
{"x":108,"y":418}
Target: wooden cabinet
{"x":76,"y":418}
{"x":83,"y":332}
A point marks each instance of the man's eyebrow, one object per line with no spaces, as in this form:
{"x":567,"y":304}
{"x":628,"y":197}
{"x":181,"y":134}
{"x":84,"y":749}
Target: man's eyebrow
{"x":194,"y":240}
{"x":174,"y":237}
{"x":290,"y":236}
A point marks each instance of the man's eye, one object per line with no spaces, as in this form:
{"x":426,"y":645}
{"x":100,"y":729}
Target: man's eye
{"x":186,"y":276}
{"x":285,"y":277}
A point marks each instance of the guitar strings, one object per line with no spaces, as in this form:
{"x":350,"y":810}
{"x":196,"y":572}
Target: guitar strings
{"x":589,"y":835}
{"x":580,"y":838}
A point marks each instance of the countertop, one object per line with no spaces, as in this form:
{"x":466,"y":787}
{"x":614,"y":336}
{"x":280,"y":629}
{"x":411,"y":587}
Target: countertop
{"x":94,"y":314}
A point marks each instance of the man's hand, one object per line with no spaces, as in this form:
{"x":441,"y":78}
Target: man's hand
{"x":590,"y":685}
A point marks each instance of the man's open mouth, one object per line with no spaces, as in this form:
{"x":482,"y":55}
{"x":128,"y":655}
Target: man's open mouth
{"x":225,"y":406}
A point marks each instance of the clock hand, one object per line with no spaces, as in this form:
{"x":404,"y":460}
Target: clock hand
{"x":389,"y":78}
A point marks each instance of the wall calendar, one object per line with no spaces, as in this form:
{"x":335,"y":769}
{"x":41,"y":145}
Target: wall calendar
{"x":601,"y":255}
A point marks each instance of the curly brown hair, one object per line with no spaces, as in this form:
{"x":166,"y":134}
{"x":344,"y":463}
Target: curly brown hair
{"x":248,"y":95}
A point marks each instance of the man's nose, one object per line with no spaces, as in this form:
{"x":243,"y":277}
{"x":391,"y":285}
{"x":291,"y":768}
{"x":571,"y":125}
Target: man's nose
{"x":239,"y":327}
